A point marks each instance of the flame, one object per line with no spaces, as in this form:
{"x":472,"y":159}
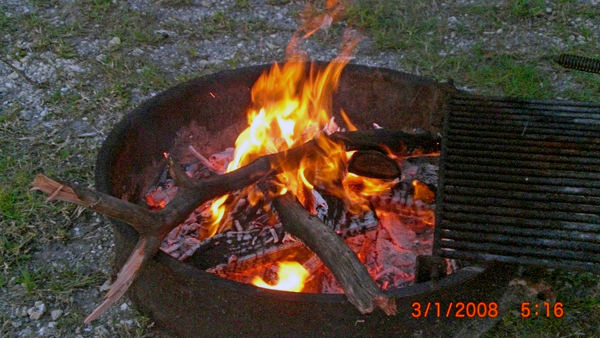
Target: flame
{"x":422,"y":192}
{"x":217,"y":212}
{"x":351,"y":126}
{"x":291,"y":105}
{"x":291,"y":278}
{"x":359,"y":189}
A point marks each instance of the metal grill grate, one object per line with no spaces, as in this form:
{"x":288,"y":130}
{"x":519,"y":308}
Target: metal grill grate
{"x":520,"y":182}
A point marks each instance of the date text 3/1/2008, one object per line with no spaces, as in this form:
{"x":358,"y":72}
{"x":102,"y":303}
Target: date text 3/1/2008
{"x":457,"y":310}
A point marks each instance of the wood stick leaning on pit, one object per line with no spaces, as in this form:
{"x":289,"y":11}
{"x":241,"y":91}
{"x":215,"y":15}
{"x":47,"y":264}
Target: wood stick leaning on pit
{"x":359,"y":287}
{"x":154,"y":226}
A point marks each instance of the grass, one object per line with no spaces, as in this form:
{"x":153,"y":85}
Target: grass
{"x":503,"y":75}
{"x":28,"y":223}
{"x":397,"y":25}
{"x":579,"y":293}
{"x":527,"y":8}
{"x":19,"y":208}
{"x":486,"y":66}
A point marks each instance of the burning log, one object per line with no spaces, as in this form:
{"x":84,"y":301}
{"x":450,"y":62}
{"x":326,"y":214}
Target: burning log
{"x":373,"y":164}
{"x":154,"y":226}
{"x":359,"y":287}
{"x":388,"y":140}
{"x":235,"y":251}
{"x":284,"y":251}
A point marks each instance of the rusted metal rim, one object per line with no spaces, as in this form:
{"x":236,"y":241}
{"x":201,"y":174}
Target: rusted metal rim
{"x":191,"y":302}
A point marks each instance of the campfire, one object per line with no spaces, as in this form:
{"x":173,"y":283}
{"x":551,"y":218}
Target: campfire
{"x":309,"y":196}
{"x":386,"y":223}
{"x":351,"y":184}
{"x":187,"y":300}
{"x":321,"y":179}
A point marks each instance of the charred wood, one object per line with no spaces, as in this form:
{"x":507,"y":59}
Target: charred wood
{"x":359,"y":287}
{"x":374,"y":164}
{"x":388,"y":140}
{"x":238,"y":251}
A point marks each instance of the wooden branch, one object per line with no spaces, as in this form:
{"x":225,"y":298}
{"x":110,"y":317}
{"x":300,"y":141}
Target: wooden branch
{"x":111,"y":206}
{"x":359,"y":287}
{"x":191,"y":194}
{"x":154,"y":226}
{"x":388,"y":140}
{"x":145,"y":249}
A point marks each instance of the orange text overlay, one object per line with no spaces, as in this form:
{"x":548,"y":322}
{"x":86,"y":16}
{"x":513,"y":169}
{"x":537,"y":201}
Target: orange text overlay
{"x":455,"y":309}
{"x":545,"y":309}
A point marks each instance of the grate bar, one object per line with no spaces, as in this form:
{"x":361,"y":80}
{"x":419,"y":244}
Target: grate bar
{"x":523,"y":204}
{"x":527,"y":136}
{"x":526,"y":232}
{"x":525,"y":130}
{"x":532,"y":144}
{"x":507,"y":148}
{"x":524,"y":213}
{"x":519,"y":182}
{"x":493,"y":221}
{"x":557,"y":114}
{"x":537,"y":158}
{"x":524,"y":104}
{"x":556,"y":263}
{"x":513,"y":179}
{"x":456,"y":155}
{"x":518,"y":121}
{"x":520,"y":250}
{"x":521,"y":195}
{"x":541,"y":244}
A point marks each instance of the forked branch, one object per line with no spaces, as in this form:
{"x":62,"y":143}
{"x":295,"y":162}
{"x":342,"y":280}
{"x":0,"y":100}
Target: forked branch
{"x":154,"y":226}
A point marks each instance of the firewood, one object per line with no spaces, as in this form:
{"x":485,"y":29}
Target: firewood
{"x":285,"y":251}
{"x":221,"y":248}
{"x":232,"y":252}
{"x":374,"y":164}
{"x":359,"y":287}
{"x":388,"y":140}
{"x":154,"y":226}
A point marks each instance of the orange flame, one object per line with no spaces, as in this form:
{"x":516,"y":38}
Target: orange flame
{"x":291,"y":278}
{"x":359,"y":189}
{"x":217,"y":212}
{"x":422,"y":192}
{"x":290,"y":106}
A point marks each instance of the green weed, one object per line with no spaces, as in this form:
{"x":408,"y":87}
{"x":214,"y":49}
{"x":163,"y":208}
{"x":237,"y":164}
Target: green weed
{"x":28,"y":281}
{"x":527,"y":8}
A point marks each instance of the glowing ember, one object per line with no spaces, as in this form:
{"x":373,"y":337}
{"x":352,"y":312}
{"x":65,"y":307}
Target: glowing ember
{"x":422,"y":192}
{"x":291,"y":277}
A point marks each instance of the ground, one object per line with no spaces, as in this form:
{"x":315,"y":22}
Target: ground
{"x":69,"y":70}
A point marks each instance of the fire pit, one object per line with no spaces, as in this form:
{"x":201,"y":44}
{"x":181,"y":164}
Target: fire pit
{"x":191,"y":302}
